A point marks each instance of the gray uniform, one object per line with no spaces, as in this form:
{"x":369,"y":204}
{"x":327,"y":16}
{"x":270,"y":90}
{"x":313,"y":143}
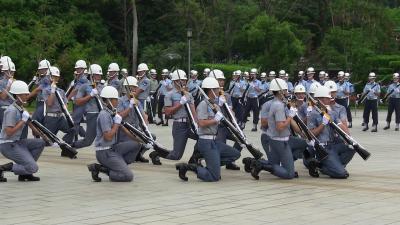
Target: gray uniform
{"x":43,"y":83}
{"x":180,"y":128}
{"x":116,"y":84}
{"x":339,"y":154}
{"x":91,"y":112}
{"x":214,"y":152}
{"x":24,"y":152}
{"x":132,"y":118}
{"x":115,"y":156}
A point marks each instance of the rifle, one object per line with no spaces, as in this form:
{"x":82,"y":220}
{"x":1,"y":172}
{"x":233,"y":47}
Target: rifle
{"x":97,"y":98}
{"x":322,"y":110}
{"x":388,"y":94}
{"x":45,"y":133}
{"x":242,"y":100}
{"x":364,"y":95}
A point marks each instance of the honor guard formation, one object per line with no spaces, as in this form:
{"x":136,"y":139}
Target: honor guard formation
{"x":309,"y":120}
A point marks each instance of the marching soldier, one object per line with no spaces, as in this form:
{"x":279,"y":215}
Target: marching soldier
{"x":193,"y":85}
{"x":142,"y":93}
{"x":252,"y":98}
{"x":393,"y":92}
{"x":276,"y":120}
{"x":339,"y":154}
{"x":24,"y":152}
{"x":206,"y":72}
{"x":338,"y":108}
{"x":88,"y":95}
{"x":372,"y":91}
{"x":174,"y":106}
{"x":343,"y":95}
{"x":112,"y":76}
{"x":271,"y":76}
{"x":310,"y":78}
{"x":215,"y":153}
{"x":8,"y":70}
{"x":301,"y":80}
{"x":264,"y":88}
{"x":112,"y":155}
{"x":54,"y":119}
{"x":321,"y":77}
{"x":166,"y":86}
{"x":236,"y":89}
{"x":153,"y":100}
{"x":290,"y":85}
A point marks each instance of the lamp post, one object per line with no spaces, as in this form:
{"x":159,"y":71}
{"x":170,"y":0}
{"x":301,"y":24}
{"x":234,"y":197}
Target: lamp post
{"x":189,"y":35}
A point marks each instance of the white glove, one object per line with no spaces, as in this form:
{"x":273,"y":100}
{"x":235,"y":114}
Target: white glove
{"x":72,"y":83}
{"x":221,"y":100}
{"x":25,"y":116}
{"x":292,"y":112}
{"x":309,"y":108}
{"x":34,"y":78}
{"x":53,"y":88}
{"x":148,"y":146}
{"x":183,"y":100}
{"x":311,"y":143}
{"x":397,"y":90}
{"x":10,"y":81}
{"x":148,"y":99}
{"x":94,"y":92}
{"x":325,"y":119}
{"x":117,"y":119}
{"x":218,"y":116}
{"x":131,"y":103}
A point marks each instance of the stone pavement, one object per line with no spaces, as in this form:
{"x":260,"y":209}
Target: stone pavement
{"x":66,"y":194}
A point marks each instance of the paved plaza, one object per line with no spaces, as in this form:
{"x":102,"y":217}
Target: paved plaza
{"x":66,"y":194}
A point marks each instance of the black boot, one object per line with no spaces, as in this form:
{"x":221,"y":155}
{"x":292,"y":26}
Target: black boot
{"x":94,"y":168}
{"x":365,"y":128}
{"x":195,"y":158}
{"x":387,"y":127}
{"x":155,"y":159}
{"x":257,"y":167}
{"x":313,"y":165}
{"x":247,"y":164}
{"x":350,"y":125}
{"x":183,"y":168}
{"x":374,"y":128}
{"x":3,"y":168}
{"x":140,"y":158}
{"x":232,"y":166}
{"x":29,"y":177}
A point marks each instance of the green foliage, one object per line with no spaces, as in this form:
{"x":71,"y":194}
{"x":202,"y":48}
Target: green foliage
{"x":395,"y":65}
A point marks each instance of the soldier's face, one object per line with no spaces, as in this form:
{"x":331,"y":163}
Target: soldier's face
{"x":310,"y":76}
{"x":114,"y":102}
{"x":42,"y":71}
{"x":395,"y":80}
{"x":23,"y":97}
{"x":9,"y":73}
{"x":300,"y":96}
{"x":221,"y":82}
{"x":325,"y":101}
{"x":79,"y":70}
{"x":333,"y":94}
{"x":55,"y":78}
{"x":97,"y":77}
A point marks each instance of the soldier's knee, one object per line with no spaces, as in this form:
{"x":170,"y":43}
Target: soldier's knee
{"x":31,"y":168}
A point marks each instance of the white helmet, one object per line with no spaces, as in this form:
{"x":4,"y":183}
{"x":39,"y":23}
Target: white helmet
{"x":19,"y":87}
{"x":124,"y":71}
{"x":95,"y":69}
{"x":272,"y":74}
{"x":340,"y":74}
{"x":396,"y":75}
{"x":346,"y":75}
{"x":109,"y":92}
{"x":277,"y":84}
{"x":80,"y":64}
{"x":102,"y":82}
{"x":131,"y":81}
{"x":331,"y":85}
{"x":193,"y":73}
{"x":210,"y":82}
{"x":178,"y":75}
{"x":165,"y":72}
{"x":44,"y":64}
{"x":142,"y":67}
{"x":326,"y":76}
{"x":263,"y":75}
{"x":239,"y":72}
{"x":372,"y":75}
{"x":4,"y":60}
{"x":299,"y":89}
{"x":217,"y":74}
{"x":236,"y":73}
{"x":113,"y":67}
{"x":54,"y":71}
{"x":322,"y":92}
{"x":206,"y":71}
{"x":9,"y":65}
{"x":313,"y":87}
{"x":153,"y":72}
{"x":253,"y":71}
{"x":286,"y":75}
{"x":321,"y":73}
{"x":301,"y":73}
{"x":282,"y":73}
{"x":310,"y":70}
{"x":246,"y":74}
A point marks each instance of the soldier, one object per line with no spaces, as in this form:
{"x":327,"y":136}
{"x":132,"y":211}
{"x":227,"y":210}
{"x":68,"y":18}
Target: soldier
{"x":301,"y":80}
{"x":215,"y":153}
{"x":206,"y":71}
{"x":24,"y":152}
{"x":3,"y":62}
{"x":394,"y":102}
{"x":112,"y":76}
{"x":88,"y":96}
{"x":54,"y":119}
{"x":339,"y":154}
{"x":271,"y":76}
{"x":252,"y":98}
{"x":8,"y":71}
{"x":343,"y":96}
{"x":321,"y":77}
{"x":153,"y":89}
{"x":310,"y":78}
{"x":264,"y":88}
{"x":276,"y":120}
{"x":193,"y":85}
{"x":338,"y":108}
{"x":174,"y":106}
{"x":372,"y":90}
{"x":236,"y":89}
{"x":166,"y":86}
{"x":290,"y":85}
{"x":142,"y":93}
{"x":112,"y":155}
{"x":78,"y":111}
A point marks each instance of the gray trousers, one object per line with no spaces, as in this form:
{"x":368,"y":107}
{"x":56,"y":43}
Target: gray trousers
{"x":77,"y":116}
{"x":223,"y":134}
{"x":24,"y":153}
{"x":1,"y":115}
{"x":339,"y":155}
{"x":298,"y":146}
{"x":216,"y":154}
{"x":280,"y":157}
{"x":55,"y":124}
{"x":38,"y":114}
{"x":180,"y":132}
{"x":91,"y":126}
{"x":117,"y":160}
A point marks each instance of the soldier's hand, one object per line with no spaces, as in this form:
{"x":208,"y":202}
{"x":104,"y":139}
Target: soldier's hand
{"x":325,"y":119}
{"x":117,"y":119}
{"x":25,"y":116}
{"x":94,"y":92}
{"x":183,"y":100}
{"x":218,"y":116}
{"x":132,"y":103}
